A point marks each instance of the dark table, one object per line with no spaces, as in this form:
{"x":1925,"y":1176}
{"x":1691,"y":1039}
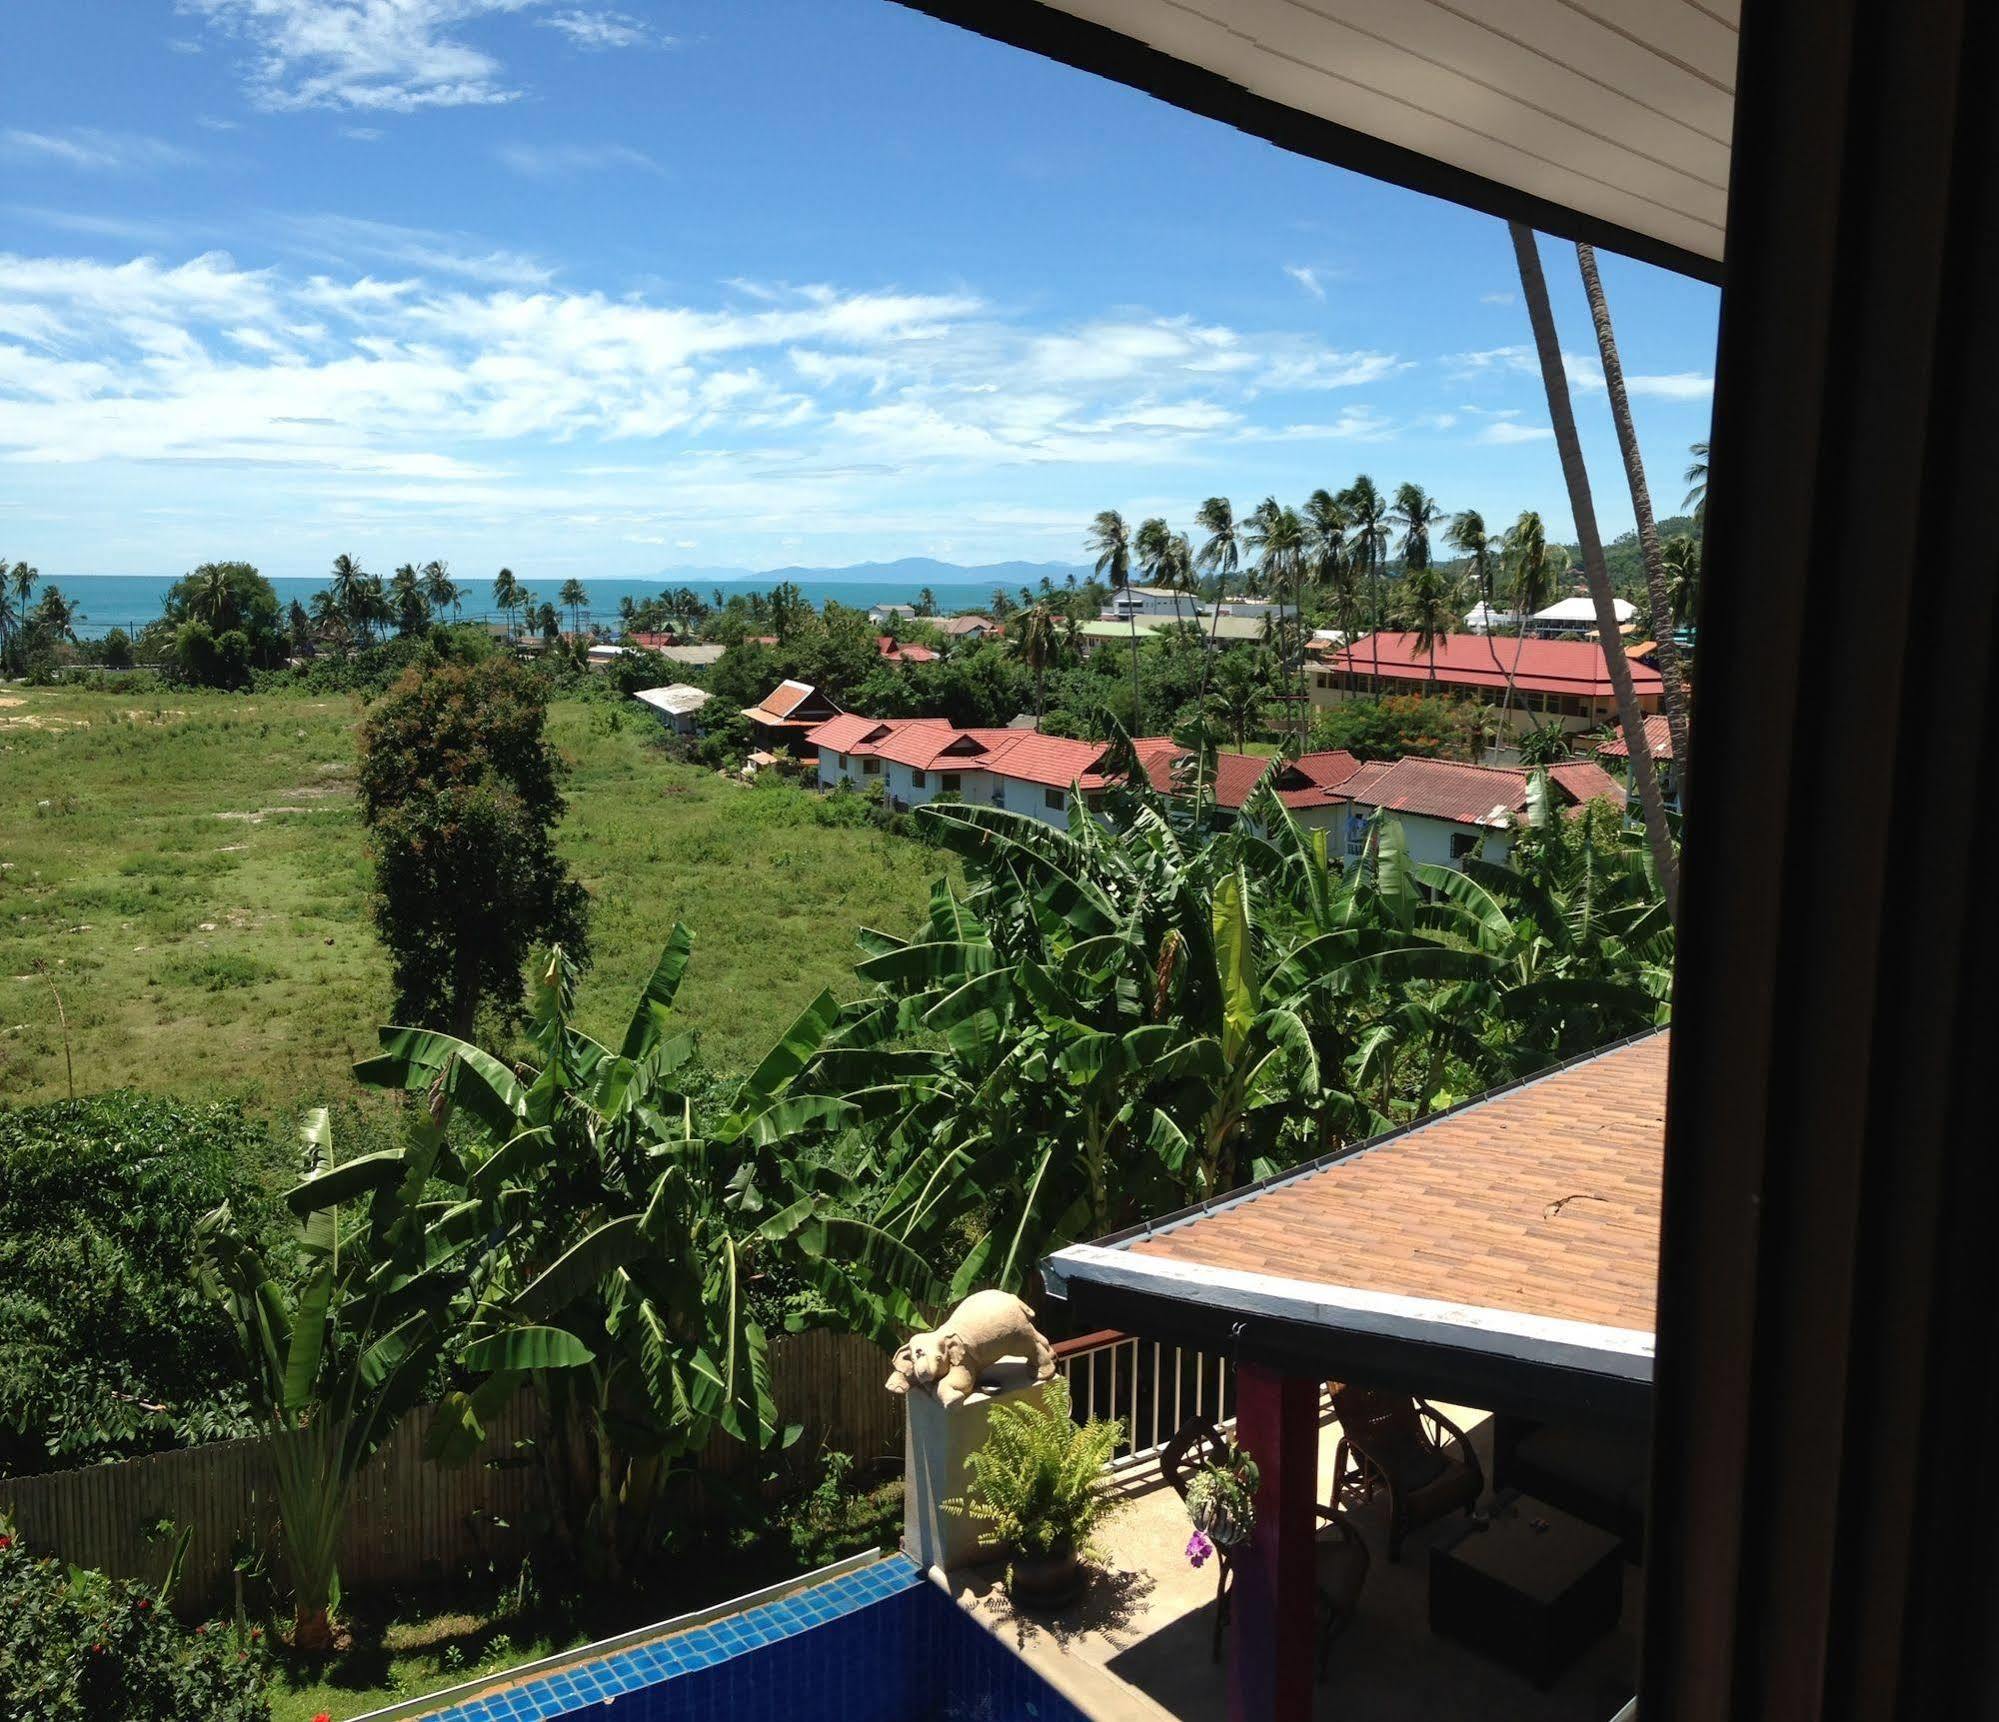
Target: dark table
{"x":1533,"y":1587}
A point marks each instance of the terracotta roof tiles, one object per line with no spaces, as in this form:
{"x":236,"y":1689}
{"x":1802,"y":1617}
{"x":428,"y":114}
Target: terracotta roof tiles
{"x":1541,"y":1199}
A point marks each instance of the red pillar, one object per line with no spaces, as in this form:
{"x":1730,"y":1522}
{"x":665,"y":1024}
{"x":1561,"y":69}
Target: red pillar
{"x":1274,"y":1626}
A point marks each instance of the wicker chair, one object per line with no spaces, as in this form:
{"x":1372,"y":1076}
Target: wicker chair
{"x":1342,"y":1552}
{"x":1408,"y":1447}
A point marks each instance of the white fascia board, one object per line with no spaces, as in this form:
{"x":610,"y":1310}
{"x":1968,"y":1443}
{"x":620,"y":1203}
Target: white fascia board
{"x":1549,"y":1340}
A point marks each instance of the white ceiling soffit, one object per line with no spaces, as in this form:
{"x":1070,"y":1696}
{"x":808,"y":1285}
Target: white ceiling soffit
{"x":1620,"y":110}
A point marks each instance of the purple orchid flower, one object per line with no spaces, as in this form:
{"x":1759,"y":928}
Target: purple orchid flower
{"x":1199,"y":1548}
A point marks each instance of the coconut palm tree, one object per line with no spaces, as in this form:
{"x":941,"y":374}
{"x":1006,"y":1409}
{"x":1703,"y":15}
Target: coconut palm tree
{"x":1149,"y":545}
{"x":1237,"y":699}
{"x":1415,"y":511}
{"x":1530,"y":586}
{"x":23,"y":579}
{"x":1673,"y":690}
{"x":575,"y":598}
{"x":410,"y":608}
{"x":1429,"y":606}
{"x":1682,"y":556}
{"x":1032,"y":642}
{"x":1280,"y":540}
{"x":1367,"y":543}
{"x":926,"y":602}
{"x":1568,"y":445}
{"x":1467,"y":535}
{"x":56,"y":615}
{"x":1220,"y":555}
{"x":1696,"y":477}
{"x":346,"y":584}
{"x":507,"y":594}
{"x":9,"y":621}
{"x":1110,"y":540}
{"x":212,"y":599}
{"x":440,"y":589}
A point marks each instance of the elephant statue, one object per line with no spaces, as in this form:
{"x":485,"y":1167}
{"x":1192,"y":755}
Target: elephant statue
{"x":987,"y":1327}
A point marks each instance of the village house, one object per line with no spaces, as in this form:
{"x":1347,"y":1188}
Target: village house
{"x":880,"y":613}
{"x":1577,"y":615}
{"x":1447,"y":809}
{"x":916,"y":760}
{"x":676,"y":705}
{"x":1659,"y":744}
{"x":786,"y":716}
{"x":967,"y":627}
{"x":897,"y":651}
{"x":1564,"y":682}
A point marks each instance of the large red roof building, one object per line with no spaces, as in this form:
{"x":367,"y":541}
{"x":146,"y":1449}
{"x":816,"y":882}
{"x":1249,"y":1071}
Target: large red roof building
{"x":1565,"y":682}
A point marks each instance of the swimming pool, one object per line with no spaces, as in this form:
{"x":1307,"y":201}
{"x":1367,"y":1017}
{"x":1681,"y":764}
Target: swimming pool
{"x":878,"y":1644}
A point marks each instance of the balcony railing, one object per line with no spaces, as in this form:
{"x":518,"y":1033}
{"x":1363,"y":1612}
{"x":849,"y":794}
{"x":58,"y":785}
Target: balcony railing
{"x":1153,"y":1387}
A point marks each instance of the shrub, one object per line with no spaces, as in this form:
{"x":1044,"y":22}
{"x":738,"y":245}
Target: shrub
{"x":833,"y":1519}
{"x":76,"y":1646}
{"x":1038,"y":1482}
{"x":106,"y":1347}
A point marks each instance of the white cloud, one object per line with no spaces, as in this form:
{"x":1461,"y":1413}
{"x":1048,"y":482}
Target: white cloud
{"x":1505,"y":431}
{"x":385,"y":55}
{"x":340,"y":239}
{"x":1306,"y":278}
{"x":552,"y":161}
{"x":1496,"y":298}
{"x":362,"y":134}
{"x":1680,"y":386}
{"x":91,"y":150}
{"x":601,"y":30}
{"x":1330,"y":370}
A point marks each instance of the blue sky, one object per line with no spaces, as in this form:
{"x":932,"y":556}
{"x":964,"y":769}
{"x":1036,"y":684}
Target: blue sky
{"x":604,"y":290}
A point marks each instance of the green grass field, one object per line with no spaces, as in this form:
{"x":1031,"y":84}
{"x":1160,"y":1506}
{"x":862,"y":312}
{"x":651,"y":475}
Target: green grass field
{"x":189,"y":870}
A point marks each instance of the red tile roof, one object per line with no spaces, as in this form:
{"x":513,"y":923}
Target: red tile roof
{"x":791,"y":705}
{"x":897,"y":653}
{"x":1658,"y":741}
{"x":651,"y":642}
{"x":1541,"y":1199}
{"x":1465,"y":794}
{"x":1302,"y":783}
{"x":1466,"y":661}
{"x":846,"y":733}
{"x":925,"y":743}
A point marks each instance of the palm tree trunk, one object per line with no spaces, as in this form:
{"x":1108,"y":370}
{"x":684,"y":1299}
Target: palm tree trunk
{"x":1670,"y":674}
{"x":1040,"y":673}
{"x":1534,"y":288}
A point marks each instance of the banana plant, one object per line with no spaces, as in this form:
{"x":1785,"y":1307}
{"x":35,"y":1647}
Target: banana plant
{"x":334,"y":1368}
{"x":629,"y":1223}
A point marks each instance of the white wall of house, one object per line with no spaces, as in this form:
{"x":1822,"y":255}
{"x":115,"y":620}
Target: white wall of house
{"x":1431,"y":842}
{"x":1134,"y":602}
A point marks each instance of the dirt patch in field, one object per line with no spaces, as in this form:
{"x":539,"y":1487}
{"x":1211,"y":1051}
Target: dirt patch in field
{"x":12,"y":700}
{"x":261,"y":814}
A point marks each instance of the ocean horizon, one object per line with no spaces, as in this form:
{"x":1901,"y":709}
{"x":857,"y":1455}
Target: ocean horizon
{"x":132,"y":601}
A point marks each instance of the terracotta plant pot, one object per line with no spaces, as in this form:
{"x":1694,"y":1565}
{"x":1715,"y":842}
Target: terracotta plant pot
{"x":1047,"y":1581}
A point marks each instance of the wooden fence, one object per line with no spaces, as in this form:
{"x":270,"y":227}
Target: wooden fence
{"x":407,"y":1517}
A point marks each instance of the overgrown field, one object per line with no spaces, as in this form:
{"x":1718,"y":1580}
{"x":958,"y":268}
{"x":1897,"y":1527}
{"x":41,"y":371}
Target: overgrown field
{"x":189,"y":871}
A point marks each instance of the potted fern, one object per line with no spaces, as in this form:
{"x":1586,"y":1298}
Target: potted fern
{"x":1038,"y":1487}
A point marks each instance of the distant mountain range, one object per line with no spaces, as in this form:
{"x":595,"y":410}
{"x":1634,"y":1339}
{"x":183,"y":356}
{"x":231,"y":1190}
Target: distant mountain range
{"x":909,"y":570}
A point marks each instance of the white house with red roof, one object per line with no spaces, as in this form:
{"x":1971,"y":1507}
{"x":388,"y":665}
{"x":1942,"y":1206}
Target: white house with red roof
{"x":1563,"y":682}
{"x":918,"y":759}
{"x":1447,"y":809}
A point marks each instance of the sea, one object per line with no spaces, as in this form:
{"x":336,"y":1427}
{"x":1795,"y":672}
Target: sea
{"x":131,"y":601}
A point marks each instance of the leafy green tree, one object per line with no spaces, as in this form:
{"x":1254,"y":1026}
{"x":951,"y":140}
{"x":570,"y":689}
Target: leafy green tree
{"x":107,"y":1350}
{"x":225,"y":623}
{"x":1110,"y":540}
{"x":117,"y":650}
{"x":507,"y":595}
{"x":459,"y":796}
{"x":1399,"y":725}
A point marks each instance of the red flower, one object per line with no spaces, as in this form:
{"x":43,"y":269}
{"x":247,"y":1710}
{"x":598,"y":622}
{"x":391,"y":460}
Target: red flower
{"x":322,"y":1717}
{"x":145,"y":1602}
{"x":201,"y":1632}
{"x":6,"y":1542}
